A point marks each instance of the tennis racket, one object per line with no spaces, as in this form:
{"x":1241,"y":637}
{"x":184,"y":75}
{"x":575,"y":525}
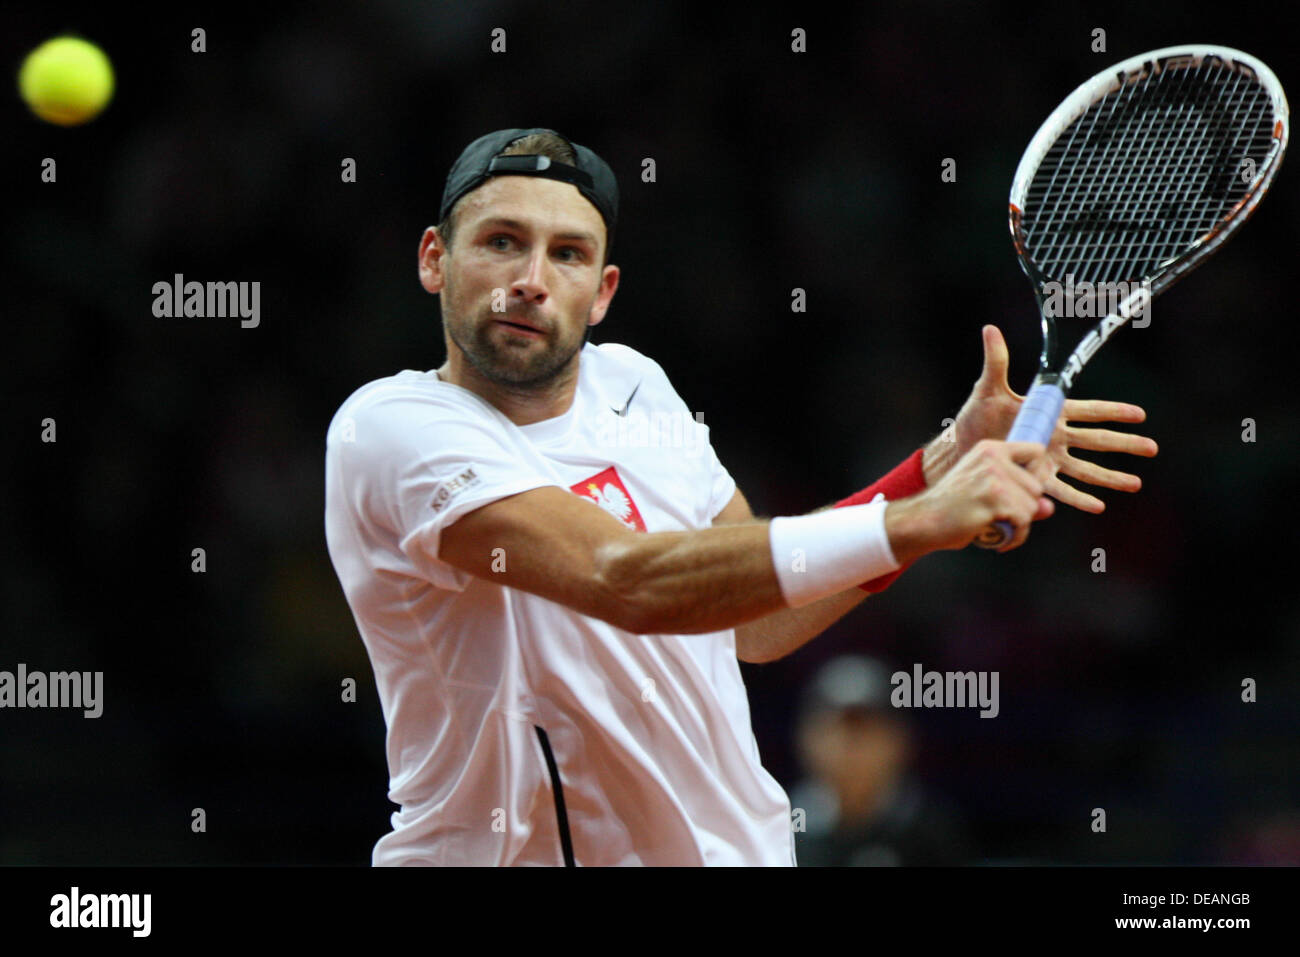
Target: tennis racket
{"x":1136,"y":178}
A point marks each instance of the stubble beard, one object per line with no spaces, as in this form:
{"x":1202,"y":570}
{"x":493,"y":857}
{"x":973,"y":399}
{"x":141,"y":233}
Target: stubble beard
{"x":515,"y":363}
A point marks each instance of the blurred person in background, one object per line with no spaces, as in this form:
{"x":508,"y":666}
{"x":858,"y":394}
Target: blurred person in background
{"x":864,"y":807}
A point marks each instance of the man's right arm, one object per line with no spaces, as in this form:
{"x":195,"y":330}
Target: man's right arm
{"x":560,"y":546}
{"x":563,"y":547}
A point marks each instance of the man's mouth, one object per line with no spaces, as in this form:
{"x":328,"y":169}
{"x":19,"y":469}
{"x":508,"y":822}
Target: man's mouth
{"x":522,"y":328}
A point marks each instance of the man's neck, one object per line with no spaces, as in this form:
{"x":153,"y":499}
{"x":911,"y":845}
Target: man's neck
{"x":521,"y":405}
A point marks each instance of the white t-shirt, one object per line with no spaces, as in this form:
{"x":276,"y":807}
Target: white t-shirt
{"x":650,"y":734}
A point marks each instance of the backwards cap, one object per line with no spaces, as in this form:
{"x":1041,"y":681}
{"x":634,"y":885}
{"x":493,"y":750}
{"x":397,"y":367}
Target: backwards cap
{"x":591,"y":176}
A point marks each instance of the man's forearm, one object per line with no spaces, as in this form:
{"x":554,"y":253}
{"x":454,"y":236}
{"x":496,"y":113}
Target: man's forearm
{"x":789,"y":629}
{"x":728,"y":575}
{"x":691,"y":582}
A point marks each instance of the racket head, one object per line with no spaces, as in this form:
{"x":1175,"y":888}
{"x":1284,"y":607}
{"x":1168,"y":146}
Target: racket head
{"x":1147,"y":168}
{"x":1137,"y":177}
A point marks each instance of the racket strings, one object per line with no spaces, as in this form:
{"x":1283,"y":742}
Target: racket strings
{"x":1119,"y":157}
{"x":1176,"y":175}
{"x":1154,"y":211}
{"x":1119,"y":167}
{"x":1146,"y":172}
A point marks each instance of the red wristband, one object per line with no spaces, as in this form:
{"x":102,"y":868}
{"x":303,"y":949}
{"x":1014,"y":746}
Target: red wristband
{"x":907,"y":479}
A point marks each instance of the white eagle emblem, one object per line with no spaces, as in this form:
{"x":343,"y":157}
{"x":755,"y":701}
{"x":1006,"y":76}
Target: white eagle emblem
{"x":607,"y":490}
{"x":612,"y":500}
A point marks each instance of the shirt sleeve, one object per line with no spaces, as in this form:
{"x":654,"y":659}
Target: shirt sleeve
{"x":418,"y":463}
{"x":721,"y":486}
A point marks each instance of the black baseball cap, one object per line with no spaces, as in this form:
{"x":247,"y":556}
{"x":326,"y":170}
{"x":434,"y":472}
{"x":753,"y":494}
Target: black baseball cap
{"x":849,"y":683}
{"x":481,"y":159}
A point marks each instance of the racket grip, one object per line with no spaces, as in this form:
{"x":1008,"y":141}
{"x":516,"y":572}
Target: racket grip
{"x":1035,"y":422}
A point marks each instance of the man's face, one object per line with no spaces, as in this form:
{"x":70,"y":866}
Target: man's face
{"x":523,"y":278}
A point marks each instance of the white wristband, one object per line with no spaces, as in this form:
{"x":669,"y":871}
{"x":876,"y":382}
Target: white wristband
{"x":827,"y":552}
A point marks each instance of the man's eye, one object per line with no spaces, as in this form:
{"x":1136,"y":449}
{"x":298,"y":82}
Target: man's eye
{"x":574,"y":253}
{"x":499,"y":242}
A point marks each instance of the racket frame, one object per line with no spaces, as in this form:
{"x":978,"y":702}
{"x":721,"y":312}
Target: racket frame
{"x":1041,"y":409}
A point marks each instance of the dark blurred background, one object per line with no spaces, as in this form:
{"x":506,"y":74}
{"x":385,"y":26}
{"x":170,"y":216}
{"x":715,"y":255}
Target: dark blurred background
{"x":775,"y":170}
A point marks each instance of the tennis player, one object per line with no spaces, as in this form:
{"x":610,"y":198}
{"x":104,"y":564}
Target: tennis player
{"x":555,"y":611}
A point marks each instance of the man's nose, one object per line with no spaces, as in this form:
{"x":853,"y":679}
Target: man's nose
{"x":532,"y":285}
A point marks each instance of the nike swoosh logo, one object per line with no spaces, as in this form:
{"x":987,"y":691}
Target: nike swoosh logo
{"x":623,"y":411}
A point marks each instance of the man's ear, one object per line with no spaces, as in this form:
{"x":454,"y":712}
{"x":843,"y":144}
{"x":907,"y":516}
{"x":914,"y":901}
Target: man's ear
{"x":608,"y":286}
{"x":432,"y":251}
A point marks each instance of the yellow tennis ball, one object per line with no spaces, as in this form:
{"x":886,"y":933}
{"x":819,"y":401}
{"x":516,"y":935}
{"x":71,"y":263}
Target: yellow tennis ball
{"x":66,"y":81}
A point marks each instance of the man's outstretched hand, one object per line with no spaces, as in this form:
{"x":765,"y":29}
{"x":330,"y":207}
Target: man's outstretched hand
{"x":991,"y":410}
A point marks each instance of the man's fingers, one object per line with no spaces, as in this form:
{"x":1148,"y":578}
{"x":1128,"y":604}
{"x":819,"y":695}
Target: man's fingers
{"x":1020,"y":502}
{"x":1020,"y":533}
{"x":1043,"y":508}
{"x":1067,"y":494}
{"x":1094,"y":474}
{"x":1024,"y":453}
{"x":1106,"y":440}
{"x":996,"y":358}
{"x":1027,"y":464}
{"x":1099,"y":410}
{"x":1043,"y":469}
{"x":1010,"y":479}
{"x":1033,"y":473}
{"x":1029,"y":482}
